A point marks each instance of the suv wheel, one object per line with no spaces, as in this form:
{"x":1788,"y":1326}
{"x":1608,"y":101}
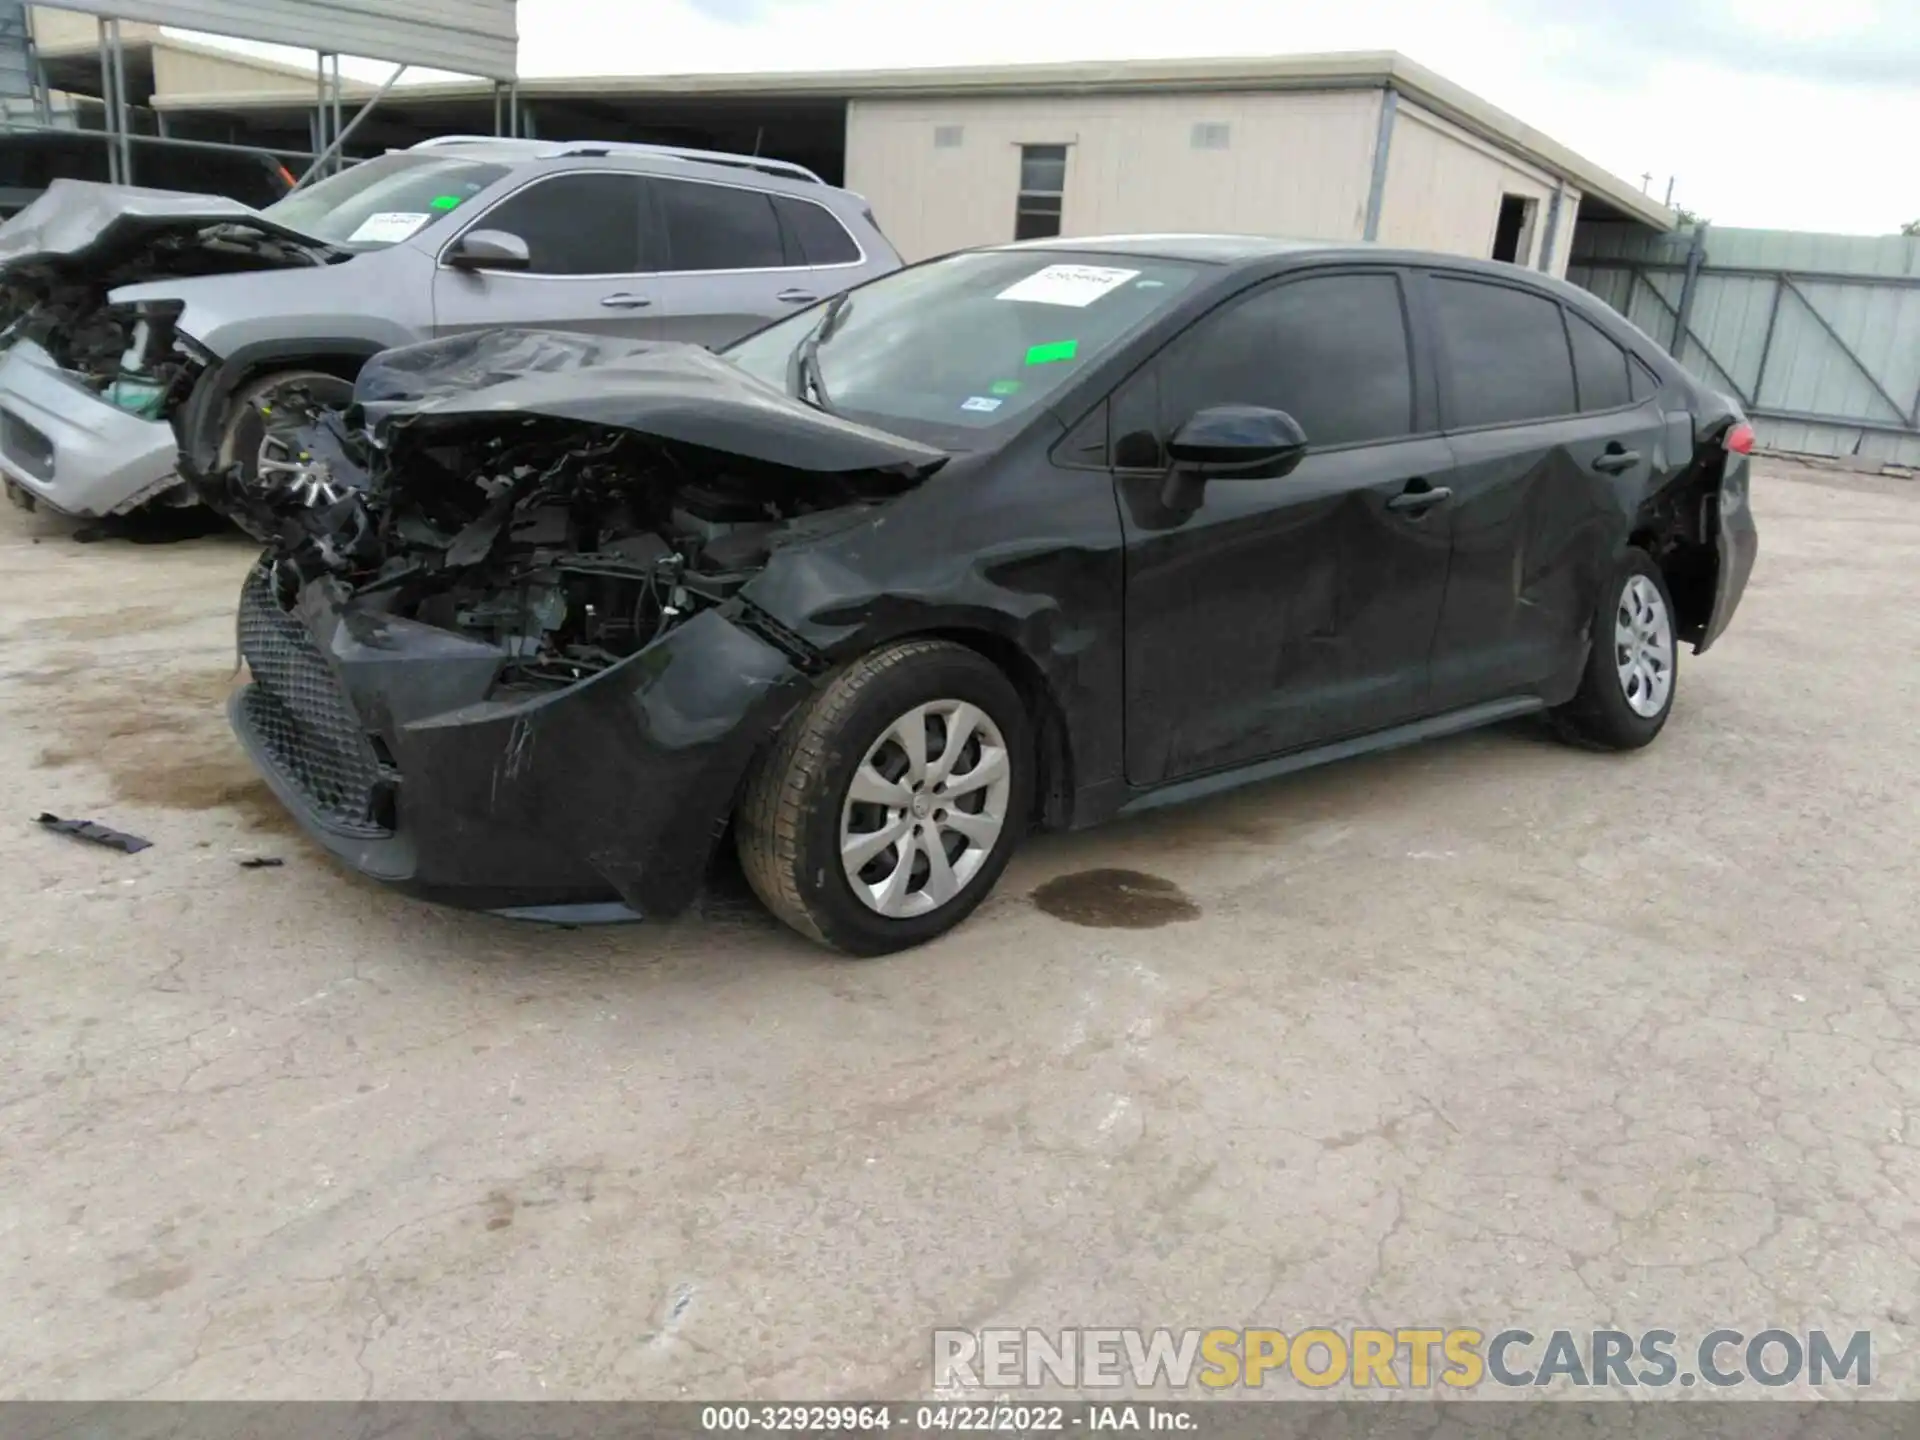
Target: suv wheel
{"x":889,"y":805}
{"x":259,"y":432}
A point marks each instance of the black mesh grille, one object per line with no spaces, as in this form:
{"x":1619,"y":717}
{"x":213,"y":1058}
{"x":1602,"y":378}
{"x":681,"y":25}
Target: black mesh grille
{"x":295,"y":709}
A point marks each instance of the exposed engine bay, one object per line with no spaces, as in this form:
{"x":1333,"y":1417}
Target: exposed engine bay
{"x":565,"y":539}
{"x":67,"y":253}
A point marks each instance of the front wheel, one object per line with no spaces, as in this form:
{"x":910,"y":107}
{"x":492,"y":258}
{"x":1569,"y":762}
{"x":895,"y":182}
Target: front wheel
{"x":887,"y":808}
{"x":1627,"y":690}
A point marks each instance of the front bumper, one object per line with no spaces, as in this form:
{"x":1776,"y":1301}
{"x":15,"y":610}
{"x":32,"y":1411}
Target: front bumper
{"x":379,"y":736}
{"x":61,"y":445}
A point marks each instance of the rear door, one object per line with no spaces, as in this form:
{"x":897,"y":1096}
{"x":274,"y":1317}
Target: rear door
{"x":730,"y":263}
{"x":1551,"y":453}
{"x":586,"y":233}
{"x":1282,"y":612}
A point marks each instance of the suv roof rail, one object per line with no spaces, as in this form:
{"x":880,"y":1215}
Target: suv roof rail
{"x":468,"y":140}
{"x":784,"y":168}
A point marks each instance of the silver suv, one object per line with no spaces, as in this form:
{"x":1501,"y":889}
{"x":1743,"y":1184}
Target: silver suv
{"x":154,"y":338}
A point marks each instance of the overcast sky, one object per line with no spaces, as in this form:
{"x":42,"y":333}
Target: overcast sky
{"x":1794,"y":114}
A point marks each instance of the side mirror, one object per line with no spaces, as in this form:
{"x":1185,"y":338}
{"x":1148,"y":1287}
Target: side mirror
{"x":489,"y":250}
{"x":1246,"y":442}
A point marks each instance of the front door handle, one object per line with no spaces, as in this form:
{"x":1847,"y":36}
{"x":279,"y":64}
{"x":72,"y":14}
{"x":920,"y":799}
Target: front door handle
{"x":625,"y":300}
{"x":796,"y":297}
{"x":1420,"y":500}
{"x":1614,"y":461}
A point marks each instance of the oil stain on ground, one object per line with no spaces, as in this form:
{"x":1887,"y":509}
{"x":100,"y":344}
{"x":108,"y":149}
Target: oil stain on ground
{"x":1115,"y":900}
{"x":163,"y":742}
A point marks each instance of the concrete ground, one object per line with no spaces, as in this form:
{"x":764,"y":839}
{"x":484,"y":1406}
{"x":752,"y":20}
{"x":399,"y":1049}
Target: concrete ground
{"x":1491,"y":1032}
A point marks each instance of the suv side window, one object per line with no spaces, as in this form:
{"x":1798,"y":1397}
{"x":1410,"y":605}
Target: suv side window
{"x":813,"y":236}
{"x":1504,"y":353}
{"x":1330,"y":350}
{"x":586,"y":223}
{"x":718,"y":227}
{"x":1599,"y":365}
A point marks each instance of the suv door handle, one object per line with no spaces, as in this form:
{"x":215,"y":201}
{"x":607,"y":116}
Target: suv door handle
{"x":796,"y":297}
{"x":1614,"y":461}
{"x":1420,"y":500}
{"x":625,"y":300}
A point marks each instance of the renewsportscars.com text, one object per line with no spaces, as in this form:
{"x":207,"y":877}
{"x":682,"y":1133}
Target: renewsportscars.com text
{"x":1413,"y":1358}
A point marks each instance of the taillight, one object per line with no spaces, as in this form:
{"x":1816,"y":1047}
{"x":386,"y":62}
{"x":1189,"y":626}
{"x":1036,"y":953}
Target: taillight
{"x":1740,"y":439}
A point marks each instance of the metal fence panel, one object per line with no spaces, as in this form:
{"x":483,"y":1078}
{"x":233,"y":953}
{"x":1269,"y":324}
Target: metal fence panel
{"x":1817,"y":335}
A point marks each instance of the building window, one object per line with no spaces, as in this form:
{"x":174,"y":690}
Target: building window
{"x":947,"y":137}
{"x":1210,"y":135}
{"x":1043,"y":181}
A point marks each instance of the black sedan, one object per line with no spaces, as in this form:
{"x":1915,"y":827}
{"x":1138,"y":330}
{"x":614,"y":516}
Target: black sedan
{"x":1030,"y":536}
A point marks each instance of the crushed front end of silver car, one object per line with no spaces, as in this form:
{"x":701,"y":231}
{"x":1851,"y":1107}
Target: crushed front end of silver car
{"x":90,"y":387}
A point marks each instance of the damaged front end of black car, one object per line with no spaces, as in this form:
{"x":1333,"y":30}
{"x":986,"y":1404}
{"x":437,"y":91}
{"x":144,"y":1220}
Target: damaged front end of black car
{"x":504,"y":659}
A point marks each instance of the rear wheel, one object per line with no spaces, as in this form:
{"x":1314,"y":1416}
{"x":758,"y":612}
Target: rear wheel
{"x":1627,"y":691}
{"x":889,"y":805}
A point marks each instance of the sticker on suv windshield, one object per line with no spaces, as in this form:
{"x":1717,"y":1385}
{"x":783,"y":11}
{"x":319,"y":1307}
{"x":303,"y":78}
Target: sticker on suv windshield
{"x":1075,"y":285}
{"x":979,"y":402}
{"x":1053,"y":352}
{"x":388,"y":227}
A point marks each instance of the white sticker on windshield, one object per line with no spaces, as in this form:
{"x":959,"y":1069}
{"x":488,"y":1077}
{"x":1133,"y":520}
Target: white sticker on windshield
{"x":388,"y":227}
{"x":1075,"y":285}
{"x":984,"y":403}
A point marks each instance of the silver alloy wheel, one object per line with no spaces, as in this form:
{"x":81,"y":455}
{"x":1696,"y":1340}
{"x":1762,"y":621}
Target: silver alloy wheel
{"x":308,"y":481}
{"x":1643,"y":647}
{"x":925,"y":808}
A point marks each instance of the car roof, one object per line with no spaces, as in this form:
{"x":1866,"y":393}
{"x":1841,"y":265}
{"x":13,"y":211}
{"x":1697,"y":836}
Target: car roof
{"x":1206,"y":249}
{"x":511,"y":151}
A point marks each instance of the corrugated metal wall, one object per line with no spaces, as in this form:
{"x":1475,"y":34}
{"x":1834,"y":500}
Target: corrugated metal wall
{"x":1817,"y":335}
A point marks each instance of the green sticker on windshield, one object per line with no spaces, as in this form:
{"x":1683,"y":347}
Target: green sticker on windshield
{"x":444,"y":202}
{"x":1057,"y":350}
{"x":1004,"y":387}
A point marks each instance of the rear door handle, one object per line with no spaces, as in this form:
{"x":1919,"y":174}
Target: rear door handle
{"x":625,"y":300}
{"x":1614,"y":461}
{"x":796,"y":297}
{"x":1420,"y":499}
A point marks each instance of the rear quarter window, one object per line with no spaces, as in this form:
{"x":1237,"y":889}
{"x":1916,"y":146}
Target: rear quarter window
{"x":812,"y":235}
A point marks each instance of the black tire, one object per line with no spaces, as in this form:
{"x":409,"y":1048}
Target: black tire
{"x":1601,"y":716}
{"x":788,"y":827}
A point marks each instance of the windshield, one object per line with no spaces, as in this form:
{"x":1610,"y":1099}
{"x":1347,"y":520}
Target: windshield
{"x":384,"y":200}
{"x":949,"y":349}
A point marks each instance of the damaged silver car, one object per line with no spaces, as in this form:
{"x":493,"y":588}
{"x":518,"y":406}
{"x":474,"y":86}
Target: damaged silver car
{"x":157,"y":346}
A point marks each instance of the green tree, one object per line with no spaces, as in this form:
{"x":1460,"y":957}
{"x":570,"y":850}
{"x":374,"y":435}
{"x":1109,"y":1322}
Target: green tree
{"x":1912,"y":227}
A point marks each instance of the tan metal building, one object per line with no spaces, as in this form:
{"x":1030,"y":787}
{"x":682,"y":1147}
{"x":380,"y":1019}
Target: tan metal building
{"x":1349,"y":147}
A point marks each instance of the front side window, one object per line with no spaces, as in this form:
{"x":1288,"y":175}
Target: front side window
{"x":1504,"y":351}
{"x":1043,"y":188}
{"x":1329,"y":350}
{"x":718,"y":227}
{"x":962,"y":345}
{"x":586,"y":223}
{"x":381,"y":201}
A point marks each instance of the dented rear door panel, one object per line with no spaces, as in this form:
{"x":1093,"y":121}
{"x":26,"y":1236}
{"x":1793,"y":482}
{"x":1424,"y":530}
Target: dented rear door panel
{"x":1537,"y":529}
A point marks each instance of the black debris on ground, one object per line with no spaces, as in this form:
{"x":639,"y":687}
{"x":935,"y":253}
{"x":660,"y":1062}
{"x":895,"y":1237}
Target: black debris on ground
{"x":262,"y":862}
{"x":98,"y":834}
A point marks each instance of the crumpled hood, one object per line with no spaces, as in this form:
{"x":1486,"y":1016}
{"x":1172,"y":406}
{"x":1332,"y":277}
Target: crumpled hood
{"x":669,"y":390}
{"x":83,"y":226}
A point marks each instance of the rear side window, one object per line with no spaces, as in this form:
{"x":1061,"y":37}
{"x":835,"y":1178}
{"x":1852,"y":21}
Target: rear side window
{"x":585,"y":224}
{"x":718,"y":227}
{"x":812,"y":235}
{"x":1504,"y":351}
{"x":1599,"y":365}
{"x":1331,"y":351}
